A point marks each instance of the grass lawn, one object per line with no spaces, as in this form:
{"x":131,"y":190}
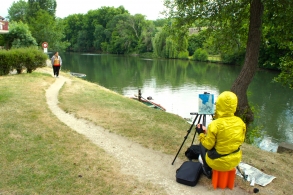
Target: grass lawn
{"x":40,"y":155}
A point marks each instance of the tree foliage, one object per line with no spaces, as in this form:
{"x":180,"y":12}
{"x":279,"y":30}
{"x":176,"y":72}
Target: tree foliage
{"x":19,"y":36}
{"x":159,"y":43}
{"x":36,"y":5}
{"x":110,"y":30}
{"x":286,"y":76}
{"x":39,"y":15}
{"x":225,"y":20}
{"x":147,"y":36}
{"x":169,"y":43}
{"x":228,"y":19}
{"x":277,"y":35}
{"x":93,"y":26}
{"x":18,"y":11}
{"x":72,"y":25}
{"x":195,"y":42}
{"x":47,"y":29}
{"x":200,"y":55}
{"x":128,"y":33}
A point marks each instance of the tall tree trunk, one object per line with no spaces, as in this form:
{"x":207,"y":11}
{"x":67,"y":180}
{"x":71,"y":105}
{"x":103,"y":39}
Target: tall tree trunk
{"x":249,"y":68}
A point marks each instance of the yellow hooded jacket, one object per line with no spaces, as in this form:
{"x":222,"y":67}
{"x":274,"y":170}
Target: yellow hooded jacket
{"x":226,"y":133}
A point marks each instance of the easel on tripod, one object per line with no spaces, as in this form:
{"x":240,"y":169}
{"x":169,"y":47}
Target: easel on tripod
{"x":197,"y":118}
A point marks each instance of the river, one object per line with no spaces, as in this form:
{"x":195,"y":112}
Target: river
{"x":176,"y":85}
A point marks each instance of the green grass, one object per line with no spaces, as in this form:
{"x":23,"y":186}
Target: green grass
{"x":40,"y":155}
{"x":123,"y":115}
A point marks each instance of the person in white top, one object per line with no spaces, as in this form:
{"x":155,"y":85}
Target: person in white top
{"x":56,"y":63}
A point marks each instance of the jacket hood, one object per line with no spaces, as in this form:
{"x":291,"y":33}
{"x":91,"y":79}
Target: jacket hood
{"x":226,"y":104}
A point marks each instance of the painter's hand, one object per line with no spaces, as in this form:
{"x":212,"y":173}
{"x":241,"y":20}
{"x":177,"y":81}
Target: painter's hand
{"x":199,"y":129}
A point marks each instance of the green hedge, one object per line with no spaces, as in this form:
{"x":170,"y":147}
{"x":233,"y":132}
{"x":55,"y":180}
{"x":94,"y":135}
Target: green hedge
{"x":4,"y":62}
{"x":20,"y":59}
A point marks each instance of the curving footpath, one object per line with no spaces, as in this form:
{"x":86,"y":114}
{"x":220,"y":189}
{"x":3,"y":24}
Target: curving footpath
{"x":146,"y":164}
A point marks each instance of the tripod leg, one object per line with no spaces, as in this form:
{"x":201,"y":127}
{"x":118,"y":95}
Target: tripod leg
{"x":204,"y":120}
{"x":195,"y":131}
{"x":185,"y":137}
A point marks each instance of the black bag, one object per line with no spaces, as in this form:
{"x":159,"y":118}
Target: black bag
{"x":189,"y":173}
{"x":193,"y":152}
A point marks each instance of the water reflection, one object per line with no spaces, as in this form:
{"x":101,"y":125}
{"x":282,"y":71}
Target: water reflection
{"x":175,"y":84}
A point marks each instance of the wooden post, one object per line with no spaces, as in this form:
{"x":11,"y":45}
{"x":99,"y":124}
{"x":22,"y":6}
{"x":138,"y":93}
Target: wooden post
{"x":139,"y":95}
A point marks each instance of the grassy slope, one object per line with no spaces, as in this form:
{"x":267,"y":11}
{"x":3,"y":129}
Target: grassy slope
{"x":41,"y":155}
{"x":162,"y":131}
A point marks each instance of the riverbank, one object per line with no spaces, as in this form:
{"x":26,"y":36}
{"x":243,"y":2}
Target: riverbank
{"x":56,"y":154}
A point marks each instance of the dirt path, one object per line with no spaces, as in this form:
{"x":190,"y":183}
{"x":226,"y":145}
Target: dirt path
{"x":147,"y":165}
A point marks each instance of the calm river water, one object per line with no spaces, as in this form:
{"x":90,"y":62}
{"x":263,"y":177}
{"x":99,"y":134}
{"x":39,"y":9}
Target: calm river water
{"x":176,"y":84}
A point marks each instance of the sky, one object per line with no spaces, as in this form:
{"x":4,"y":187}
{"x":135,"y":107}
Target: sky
{"x":150,"y":8}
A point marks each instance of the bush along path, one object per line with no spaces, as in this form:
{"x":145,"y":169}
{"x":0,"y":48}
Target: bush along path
{"x":145,"y":164}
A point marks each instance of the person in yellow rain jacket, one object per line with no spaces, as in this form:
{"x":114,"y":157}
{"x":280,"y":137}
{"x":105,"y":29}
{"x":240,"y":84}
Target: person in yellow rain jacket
{"x":56,"y":63}
{"x":220,"y":142}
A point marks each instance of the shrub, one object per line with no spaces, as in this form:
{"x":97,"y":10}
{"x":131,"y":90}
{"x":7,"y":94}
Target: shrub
{"x":200,"y":55}
{"x":34,"y":59}
{"x":5,"y":66}
{"x":183,"y":55}
{"x":236,"y":58}
{"x":17,"y":56}
{"x":195,"y":41}
{"x":20,"y":58}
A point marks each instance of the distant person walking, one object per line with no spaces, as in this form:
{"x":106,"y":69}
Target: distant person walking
{"x":56,"y":63}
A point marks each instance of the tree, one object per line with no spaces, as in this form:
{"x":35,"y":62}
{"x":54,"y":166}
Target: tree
{"x":98,"y":17}
{"x":159,"y":43}
{"x":91,"y":24}
{"x":40,"y":17}
{"x":160,"y":22}
{"x":82,"y":43}
{"x":122,"y":37}
{"x":99,"y":36}
{"x":147,"y":34}
{"x":131,"y":31}
{"x":72,"y":25}
{"x":35,"y":5}
{"x":19,"y":36}
{"x":195,"y":42}
{"x":17,"y":11}
{"x":109,"y":29}
{"x":171,"y":42}
{"x":47,"y":29}
{"x":229,"y":19}
{"x":249,"y":68}
{"x":277,"y":40}
{"x":104,"y":15}
{"x":286,"y":76}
